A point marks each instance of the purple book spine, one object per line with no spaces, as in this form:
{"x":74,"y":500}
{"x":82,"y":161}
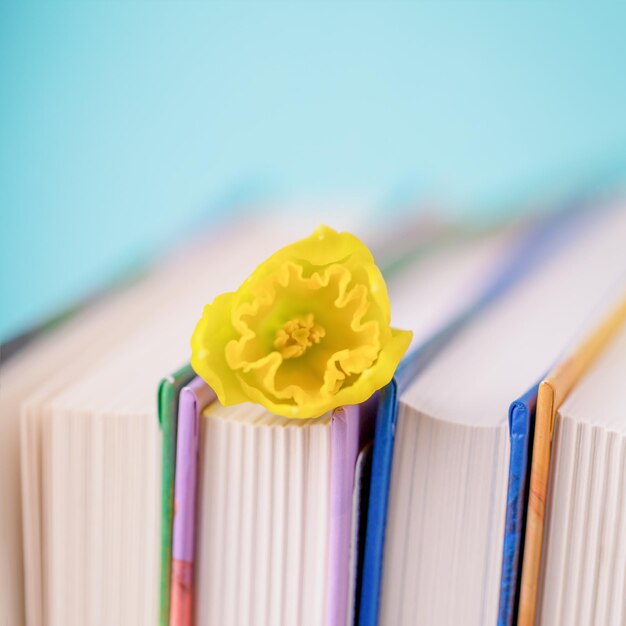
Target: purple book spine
{"x":344,"y":451}
{"x":193,"y":399}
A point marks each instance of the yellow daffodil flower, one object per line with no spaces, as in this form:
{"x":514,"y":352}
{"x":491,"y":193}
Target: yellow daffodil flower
{"x":308,"y":330}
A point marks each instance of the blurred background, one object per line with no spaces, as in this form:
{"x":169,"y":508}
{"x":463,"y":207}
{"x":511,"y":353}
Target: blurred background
{"x":123,"y":124}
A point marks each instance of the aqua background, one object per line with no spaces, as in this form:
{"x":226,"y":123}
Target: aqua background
{"x":123,"y":122}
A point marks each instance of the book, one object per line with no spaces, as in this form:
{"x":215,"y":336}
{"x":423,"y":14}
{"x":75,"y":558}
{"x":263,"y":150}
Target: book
{"x":583,"y":557}
{"x":39,"y":370}
{"x":194,"y":398}
{"x":578,"y":456}
{"x":521,"y":429}
{"x":168,"y":394}
{"x":442,"y":472}
{"x":274,"y":515}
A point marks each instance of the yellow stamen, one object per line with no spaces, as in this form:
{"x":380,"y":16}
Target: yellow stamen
{"x":298,"y":334}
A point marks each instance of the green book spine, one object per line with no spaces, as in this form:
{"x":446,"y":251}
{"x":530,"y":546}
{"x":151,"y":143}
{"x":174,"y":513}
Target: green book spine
{"x":169,"y":390}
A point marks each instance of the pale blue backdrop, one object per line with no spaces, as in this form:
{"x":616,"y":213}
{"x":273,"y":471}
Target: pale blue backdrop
{"x":122,"y":122}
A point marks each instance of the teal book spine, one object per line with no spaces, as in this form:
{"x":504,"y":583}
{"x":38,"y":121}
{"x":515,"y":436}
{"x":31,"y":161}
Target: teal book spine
{"x":168,"y":394}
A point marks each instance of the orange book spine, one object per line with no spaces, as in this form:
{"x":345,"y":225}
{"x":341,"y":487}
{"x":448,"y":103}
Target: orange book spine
{"x":552,"y":391}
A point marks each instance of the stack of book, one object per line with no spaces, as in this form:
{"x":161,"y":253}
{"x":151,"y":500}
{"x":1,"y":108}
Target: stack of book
{"x":485,"y":484}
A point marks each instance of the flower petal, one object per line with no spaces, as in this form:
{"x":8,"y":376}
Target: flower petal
{"x":208,"y":357}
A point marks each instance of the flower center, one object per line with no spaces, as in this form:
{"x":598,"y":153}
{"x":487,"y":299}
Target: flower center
{"x":297,"y":335}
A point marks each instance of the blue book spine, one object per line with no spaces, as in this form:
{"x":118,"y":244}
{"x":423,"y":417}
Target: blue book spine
{"x":377,"y":512}
{"x":521,"y":426}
